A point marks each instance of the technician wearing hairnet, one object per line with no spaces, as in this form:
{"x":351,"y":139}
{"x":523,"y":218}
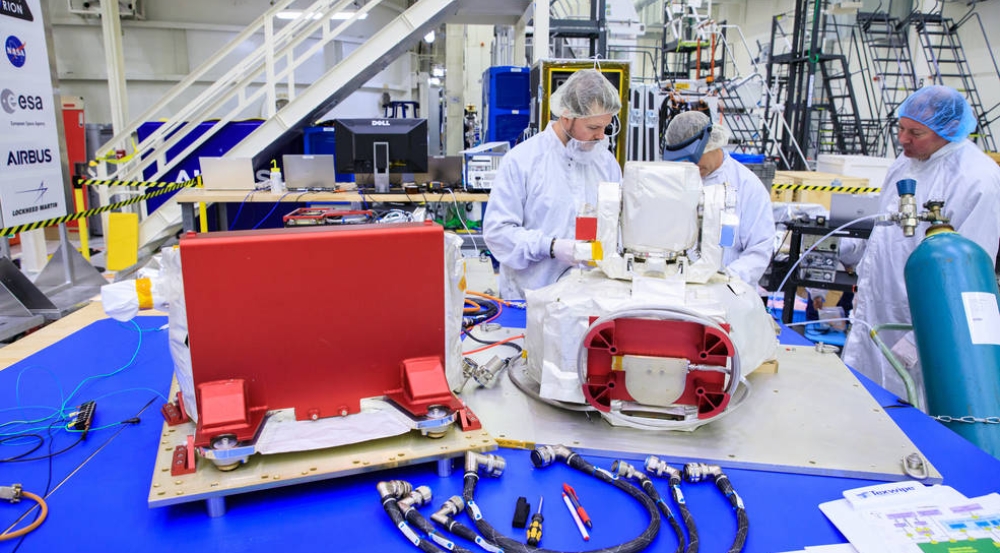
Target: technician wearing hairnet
{"x":750,"y":252}
{"x":546,"y":181}
{"x":933,"y":125}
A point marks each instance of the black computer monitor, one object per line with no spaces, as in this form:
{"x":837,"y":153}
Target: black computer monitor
{"x":380,"y":147}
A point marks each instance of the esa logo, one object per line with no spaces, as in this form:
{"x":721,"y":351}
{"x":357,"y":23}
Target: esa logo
{"x":15,"y":51}
{"x":380,"y":123}
{"x":11,"y":102}
{"x":29,"y":157}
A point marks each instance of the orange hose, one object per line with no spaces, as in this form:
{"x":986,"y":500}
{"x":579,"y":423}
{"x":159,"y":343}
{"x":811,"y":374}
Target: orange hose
{"x":38,"y":522}
{"x":487,"y":296}
{"x":504,"y":341}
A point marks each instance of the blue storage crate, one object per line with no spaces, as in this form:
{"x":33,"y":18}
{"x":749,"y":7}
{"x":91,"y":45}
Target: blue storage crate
{"x":221,"y":142}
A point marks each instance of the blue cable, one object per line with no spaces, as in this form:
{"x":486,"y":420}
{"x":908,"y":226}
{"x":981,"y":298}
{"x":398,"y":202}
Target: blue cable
{"x":232,"y":224}
{"x":276,"y":204}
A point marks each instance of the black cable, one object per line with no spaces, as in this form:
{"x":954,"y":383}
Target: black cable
{"x":490,"y":343}
{"x":623,"y":469}
{"x":49,"y":455}
{"x":415,"y":518}
{"x":660,"y":468}
{"x":686,"y":516}
{"x":574,"y":460}
{"x":696,"y":472}
{"x":742,"y":521}
{"x":48,"y":483}
{"x":647,"y":486}
{"x":392,"y":509}
{"x":485,"y":310}
{"x":461,"y":530}
{"x":5,"y":439}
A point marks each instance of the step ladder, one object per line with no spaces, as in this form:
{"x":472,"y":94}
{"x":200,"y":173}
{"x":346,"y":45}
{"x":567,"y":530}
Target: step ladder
{"x":840,"y":129}
{"x":887,"y":44}
{"x":942,"y":47}
{"x":813,"y":93}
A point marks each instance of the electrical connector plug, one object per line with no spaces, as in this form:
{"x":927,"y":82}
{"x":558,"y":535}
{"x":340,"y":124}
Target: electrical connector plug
{"x":84,"y":417}
{"x":11,"y":493}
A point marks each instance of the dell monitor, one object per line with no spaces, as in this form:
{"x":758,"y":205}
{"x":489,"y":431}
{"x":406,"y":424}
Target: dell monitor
{"x":380,"y":147}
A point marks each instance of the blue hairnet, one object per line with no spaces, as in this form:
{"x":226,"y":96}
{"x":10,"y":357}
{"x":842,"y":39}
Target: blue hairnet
{"x":942,"y":109}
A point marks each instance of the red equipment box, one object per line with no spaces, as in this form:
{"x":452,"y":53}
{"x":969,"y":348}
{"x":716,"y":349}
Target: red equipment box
{"x":316,"y":318}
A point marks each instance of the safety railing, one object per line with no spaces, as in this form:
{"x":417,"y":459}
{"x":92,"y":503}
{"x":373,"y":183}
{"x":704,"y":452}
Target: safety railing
{"x":244,"y":83}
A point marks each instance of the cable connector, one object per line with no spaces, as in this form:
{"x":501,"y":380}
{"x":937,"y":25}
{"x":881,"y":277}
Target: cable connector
{"x":84,"y":417}
{"x":11,"y":493}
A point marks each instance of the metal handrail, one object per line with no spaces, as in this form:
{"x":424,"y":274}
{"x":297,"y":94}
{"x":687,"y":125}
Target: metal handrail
{"x":261,"y":63}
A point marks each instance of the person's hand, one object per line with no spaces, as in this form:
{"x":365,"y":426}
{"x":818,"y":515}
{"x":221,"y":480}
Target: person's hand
{"x":563,"y":250}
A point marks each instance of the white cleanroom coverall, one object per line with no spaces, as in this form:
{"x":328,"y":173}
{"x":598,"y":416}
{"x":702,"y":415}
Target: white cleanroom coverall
{"x":968,"y":182}
{"x":540,"y":188}
{"x":750,"y":255}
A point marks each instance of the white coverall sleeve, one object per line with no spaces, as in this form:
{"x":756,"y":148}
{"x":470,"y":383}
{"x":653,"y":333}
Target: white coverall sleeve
{"x":503,"y":224}
{"x":852,"y":250}
{"x":756,"y":232}
{"x":975,"y":216}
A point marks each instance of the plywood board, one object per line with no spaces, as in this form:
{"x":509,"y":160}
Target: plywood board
{"x":272,"y":471}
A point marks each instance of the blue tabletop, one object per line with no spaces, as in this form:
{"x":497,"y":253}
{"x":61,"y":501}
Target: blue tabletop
{"x":96,"y":490}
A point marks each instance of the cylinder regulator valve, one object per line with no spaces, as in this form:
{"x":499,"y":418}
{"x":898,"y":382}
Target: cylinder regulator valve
{"x":907,"y":205}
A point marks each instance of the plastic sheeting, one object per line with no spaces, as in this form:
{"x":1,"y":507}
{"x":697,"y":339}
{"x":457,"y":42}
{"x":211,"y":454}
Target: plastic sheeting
{"x":559,"y":315}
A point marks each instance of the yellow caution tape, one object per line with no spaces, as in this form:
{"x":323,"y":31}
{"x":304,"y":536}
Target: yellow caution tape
{"x":87,"y":213}
{"x":826,"y":188}
{"x":139,"y":184}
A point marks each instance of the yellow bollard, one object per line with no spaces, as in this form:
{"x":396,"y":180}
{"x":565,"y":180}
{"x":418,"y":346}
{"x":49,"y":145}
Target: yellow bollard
{"x":82,"y":224}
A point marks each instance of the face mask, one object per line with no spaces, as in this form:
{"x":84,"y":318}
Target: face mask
{"x":585,"y":148}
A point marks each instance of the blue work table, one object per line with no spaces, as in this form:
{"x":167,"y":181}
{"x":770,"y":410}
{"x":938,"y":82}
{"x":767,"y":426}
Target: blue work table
{"x":97,"y":490}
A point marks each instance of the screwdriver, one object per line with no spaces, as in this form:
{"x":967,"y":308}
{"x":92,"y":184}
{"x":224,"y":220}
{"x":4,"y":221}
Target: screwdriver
{"x":535,"y":528}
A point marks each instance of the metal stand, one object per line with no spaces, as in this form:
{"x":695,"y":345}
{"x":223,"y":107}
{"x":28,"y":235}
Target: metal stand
{"x":15,"y":288}
{"x":68,"y":281}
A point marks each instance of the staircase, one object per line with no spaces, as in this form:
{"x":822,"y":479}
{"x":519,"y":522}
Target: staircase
{"x":888,"y":47}
{"x":946,"y":59}
{"x":269,"y":69}
{"x":840,"y":129}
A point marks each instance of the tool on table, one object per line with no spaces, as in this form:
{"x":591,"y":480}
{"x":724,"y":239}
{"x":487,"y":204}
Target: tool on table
{"x":576,"y":503}
{"x":535,"y":529}
{"x":521,"y":512}
{"x":576,"y":517}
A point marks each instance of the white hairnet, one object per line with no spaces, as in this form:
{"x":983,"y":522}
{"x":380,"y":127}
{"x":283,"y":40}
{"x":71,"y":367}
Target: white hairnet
{"x":585,"y":93}
{"x":690,"y":123}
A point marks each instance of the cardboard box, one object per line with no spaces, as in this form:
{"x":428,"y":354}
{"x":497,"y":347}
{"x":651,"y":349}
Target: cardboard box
{"x":813,"y":178}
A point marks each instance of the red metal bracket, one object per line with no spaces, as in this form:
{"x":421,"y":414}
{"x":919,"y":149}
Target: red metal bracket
{"x":184,"y":459}
{"x":175,"y":413}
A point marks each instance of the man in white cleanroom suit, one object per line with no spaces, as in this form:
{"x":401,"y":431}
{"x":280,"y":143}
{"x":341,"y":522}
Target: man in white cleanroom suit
{"x":747,"y":199}
{"x":544,"y":183}
{"x":933,"y":125}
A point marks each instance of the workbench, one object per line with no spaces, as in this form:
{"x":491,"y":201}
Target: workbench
{"x":189,"y":198}
{"x":97,"y":490}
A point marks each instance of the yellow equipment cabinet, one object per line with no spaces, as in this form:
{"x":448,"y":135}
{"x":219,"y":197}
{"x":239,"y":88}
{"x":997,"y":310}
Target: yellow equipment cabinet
{"x":548,"y":75}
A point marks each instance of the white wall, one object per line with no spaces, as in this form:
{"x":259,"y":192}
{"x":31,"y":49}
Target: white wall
{"x":177,"y":35}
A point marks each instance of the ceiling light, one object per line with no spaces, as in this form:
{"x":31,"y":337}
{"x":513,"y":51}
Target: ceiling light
{"x":429,"y":37}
